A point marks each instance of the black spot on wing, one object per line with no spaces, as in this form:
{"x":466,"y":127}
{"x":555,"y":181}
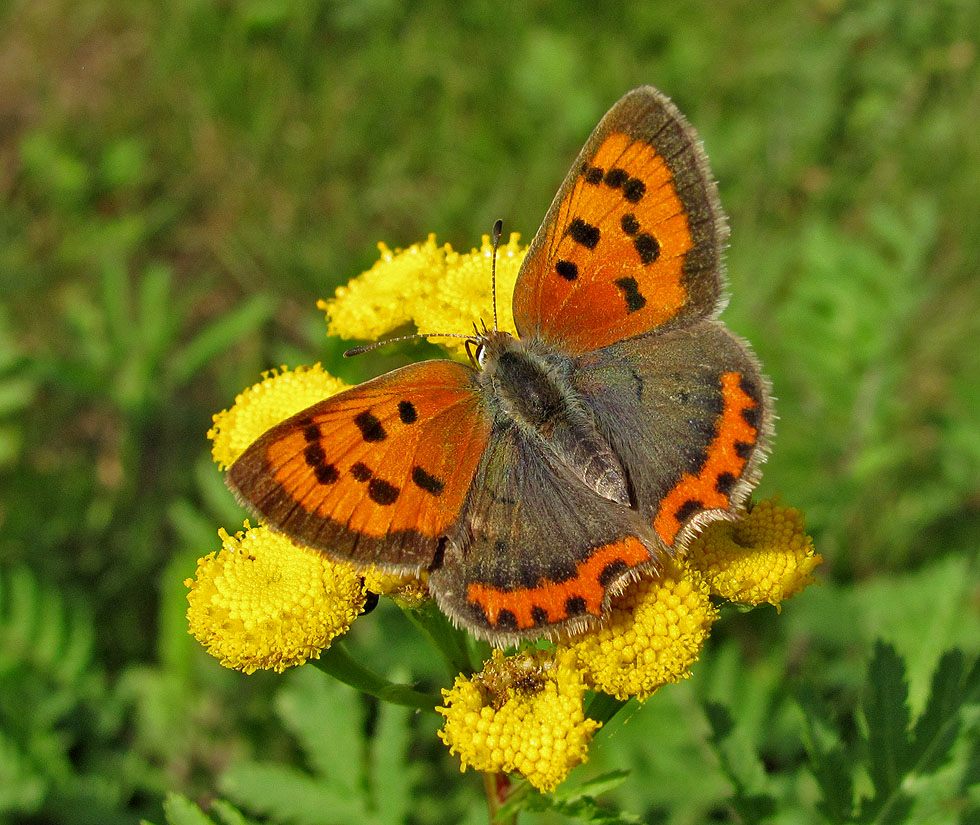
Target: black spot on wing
{"x":370,"y":427}
{"x":583,"y":233}
{"x":634,"y":189}
{"x":567,"y":269}
{"x":361,"y":472}
{"x":407,"y":412}
{"x":506,"y":620}
{"x":381,"y":492}
{"x":427,"y":482}
{"x":688,"y":509}
{"x":592,"y":174}
{"x":611,"y":572}
{"x":631,"y":292}
{"x":646,"y":247}
{"x":616,"y":178}
{"x":314,"y":455}
{"x":724,"y":483}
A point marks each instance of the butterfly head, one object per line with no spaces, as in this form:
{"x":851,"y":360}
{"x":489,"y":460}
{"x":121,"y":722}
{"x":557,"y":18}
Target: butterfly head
{"x":489,"y":345}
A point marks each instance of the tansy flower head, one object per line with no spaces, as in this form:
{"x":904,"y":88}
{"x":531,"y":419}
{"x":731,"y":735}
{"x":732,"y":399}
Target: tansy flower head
{"x":434,"y":287}
{"x":652,"y":636}
{"x":279,"y":394}
{"x":764,"y":557}
{"x":264,"y":603}
{"x":521,"y":713}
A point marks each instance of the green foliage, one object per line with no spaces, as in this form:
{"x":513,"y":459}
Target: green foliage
{"x":892,"y":752}
{"x":351,"y":778}
{"x":54,"y":711}
{"x":181,"y":181}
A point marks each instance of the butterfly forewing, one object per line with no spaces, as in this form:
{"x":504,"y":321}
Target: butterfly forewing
{"x":633,"y":240}
{"x":376,"y":474}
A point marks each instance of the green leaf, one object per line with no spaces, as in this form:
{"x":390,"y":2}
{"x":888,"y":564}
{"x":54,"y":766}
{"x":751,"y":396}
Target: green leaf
{"x":219,"y":336}
{"x":602,"y":707}
{"x":351,"y":780}
{"x":449,"y":640}
{"x":327,"y":719}
{"x":289,"y":795}
{"x":181,"y":811}
{"x":887,"y":715}
{"x":392,"y":776}
{"x":740,"y":764}
{"x":575,"y":804}
{"x":594,"y":787}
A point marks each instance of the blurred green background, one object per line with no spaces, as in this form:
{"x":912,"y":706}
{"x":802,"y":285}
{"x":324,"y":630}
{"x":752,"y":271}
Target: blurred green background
{"x":181,"y":181}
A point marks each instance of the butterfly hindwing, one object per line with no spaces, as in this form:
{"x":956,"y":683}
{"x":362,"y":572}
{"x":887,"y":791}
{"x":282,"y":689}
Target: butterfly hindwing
{"x":536,"y":552}
{"x":633,"y":240}
{"x":688,"y":413}
{"x":376,"y":474}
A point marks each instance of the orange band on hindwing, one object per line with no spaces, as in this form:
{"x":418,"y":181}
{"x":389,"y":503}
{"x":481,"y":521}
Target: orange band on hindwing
{"x":553,"y":602}
{"x":727,"y":454}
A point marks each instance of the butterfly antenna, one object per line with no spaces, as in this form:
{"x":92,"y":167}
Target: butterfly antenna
{"x":498,"y":227}
{"x":368,"y":347}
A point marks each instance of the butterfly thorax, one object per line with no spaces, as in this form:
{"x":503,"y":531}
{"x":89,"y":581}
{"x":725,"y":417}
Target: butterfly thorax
{"x":528,"y":388}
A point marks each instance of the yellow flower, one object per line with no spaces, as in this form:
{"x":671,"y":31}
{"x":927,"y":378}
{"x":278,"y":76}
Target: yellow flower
{"x":434,"y":287}
{"x":408,"y":591}
{"x":764,"y":557}
{"x":264,"y":603}
{"x":653,"y":635}
{"x":521,"y":713}
{"x":280,"y":394}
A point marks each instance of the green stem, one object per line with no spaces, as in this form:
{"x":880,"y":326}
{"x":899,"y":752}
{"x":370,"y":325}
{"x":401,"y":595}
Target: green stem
{"x":498,"y":787}
{"x":450,"y":642}
{"x":337,"y":662}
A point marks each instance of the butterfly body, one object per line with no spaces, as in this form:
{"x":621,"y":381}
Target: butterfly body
{"x":536,"y":484}
{"x":528,"y":386}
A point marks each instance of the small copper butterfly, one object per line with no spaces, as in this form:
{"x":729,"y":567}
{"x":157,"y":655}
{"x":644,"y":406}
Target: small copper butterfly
{"x":536,"y":483}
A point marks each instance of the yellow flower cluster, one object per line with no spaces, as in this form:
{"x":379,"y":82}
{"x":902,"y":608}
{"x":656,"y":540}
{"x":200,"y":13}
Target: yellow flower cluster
{"x":764,"y":557}
{"x":264,"y":603}
{"x":653,"y":635}
{"x":434,"y":287}
{"x":522,"y":713}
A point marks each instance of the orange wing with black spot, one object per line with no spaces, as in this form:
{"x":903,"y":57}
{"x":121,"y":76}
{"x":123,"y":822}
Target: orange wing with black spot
{"x":633,"y":240}
{"x":377,"y":474}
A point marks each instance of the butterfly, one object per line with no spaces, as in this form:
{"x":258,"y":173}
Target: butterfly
{"x":535,"y":483}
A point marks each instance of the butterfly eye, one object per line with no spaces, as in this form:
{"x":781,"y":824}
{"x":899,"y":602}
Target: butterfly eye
{"x":477,"y":351}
